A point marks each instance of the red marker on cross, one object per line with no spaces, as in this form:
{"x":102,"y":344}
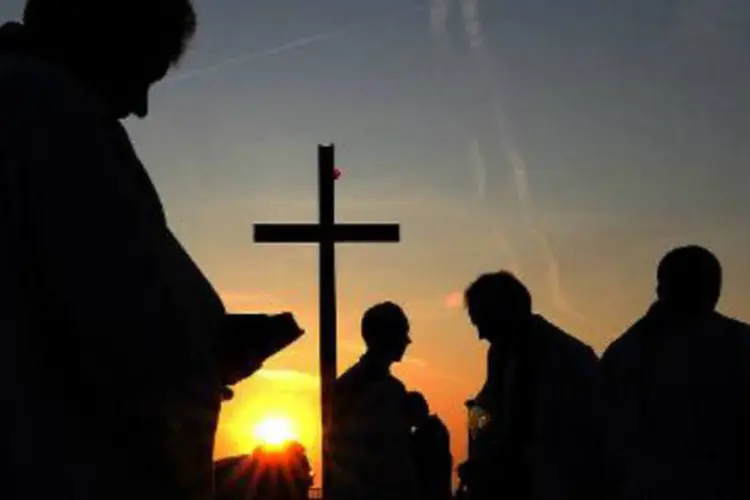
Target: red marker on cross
{"x":337,"y":173}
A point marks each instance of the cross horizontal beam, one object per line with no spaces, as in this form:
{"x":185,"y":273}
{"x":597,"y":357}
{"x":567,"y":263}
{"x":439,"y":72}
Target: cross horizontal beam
{"x":341,"y":233}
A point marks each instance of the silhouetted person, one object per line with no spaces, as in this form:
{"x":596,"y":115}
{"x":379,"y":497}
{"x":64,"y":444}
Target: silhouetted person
{"x":112,"y":364}
{"x":538,"y":434}
{"x":267,"y":474}
{"x":431,"y":449}
{"x":677,"y":391}
{"x":370,"y":435}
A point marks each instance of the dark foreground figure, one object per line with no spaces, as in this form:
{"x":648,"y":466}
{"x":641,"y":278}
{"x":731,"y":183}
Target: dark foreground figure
{"x":534,"y":424}
{"x":678,"y":392}
{"x":370,"y":434}
{"x":115,"y":348}
{"x":430,"y":449}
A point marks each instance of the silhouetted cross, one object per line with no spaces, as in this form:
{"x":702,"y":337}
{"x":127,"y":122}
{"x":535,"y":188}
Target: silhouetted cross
{"x":326,"y":233}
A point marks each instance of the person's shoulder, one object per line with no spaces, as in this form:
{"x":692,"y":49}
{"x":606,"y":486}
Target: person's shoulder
{"x":734,"y":331}
{"x":396,"y":385}
{"x":564,"y":344}
{"x":35,"y":87}
{"x":355,"y":378}
{"x":734,"y":325}
{"x":438,"y":423}
{"x":626,"y":342}
{"x":350,"y":376}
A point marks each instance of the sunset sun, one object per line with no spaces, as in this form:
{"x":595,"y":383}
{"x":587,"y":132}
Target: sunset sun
{"x":275,"y":431}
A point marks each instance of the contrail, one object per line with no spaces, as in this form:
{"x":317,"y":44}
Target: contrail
{"x":473,"y":28}
{"x":295,"y":44}
{"x":470,"y":11}
{"x":246,"y":58}
{"x":517,"y":163}
{"x":520,"y":174}
{"x":438,"y":16}
{"x":475,"y":151}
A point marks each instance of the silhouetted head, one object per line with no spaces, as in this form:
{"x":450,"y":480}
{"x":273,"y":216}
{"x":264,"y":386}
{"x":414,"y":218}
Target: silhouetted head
{"x":122,"y":47}
{"x":498,"y":304}
{"x":689,"y":279}
{"x":417,"y":409}
{"x":385,"y":330}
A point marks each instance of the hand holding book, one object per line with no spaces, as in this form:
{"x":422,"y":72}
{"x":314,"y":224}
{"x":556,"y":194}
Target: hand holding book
{"x":246,"y":341}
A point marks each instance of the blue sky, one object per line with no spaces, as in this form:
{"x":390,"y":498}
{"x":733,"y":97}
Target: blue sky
{"x":574,"y":142}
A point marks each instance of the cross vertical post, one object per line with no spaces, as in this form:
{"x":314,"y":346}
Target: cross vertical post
{"x":327,"y":319}
{"x":326,"y":233}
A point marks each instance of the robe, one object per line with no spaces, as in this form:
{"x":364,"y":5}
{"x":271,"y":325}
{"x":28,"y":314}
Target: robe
{"x":677,"y":393}
{"x":370,"y":436}
{"x":109,"y":384}
{"x":542,"y":438}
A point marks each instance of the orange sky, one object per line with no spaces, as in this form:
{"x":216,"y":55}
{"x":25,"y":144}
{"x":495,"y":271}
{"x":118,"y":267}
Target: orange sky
{"x":446,"y":361}
{"x":571,"y":142}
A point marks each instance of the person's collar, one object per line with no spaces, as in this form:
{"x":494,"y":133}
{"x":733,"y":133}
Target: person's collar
{"x":376,"y":363}
{"x":662,"y":318}
{"x":662,"y":310}
{"x":517,"y":338}
{"x":15,"y":37}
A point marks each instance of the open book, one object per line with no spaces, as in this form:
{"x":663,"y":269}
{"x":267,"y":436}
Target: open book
{"x":248,"y":340}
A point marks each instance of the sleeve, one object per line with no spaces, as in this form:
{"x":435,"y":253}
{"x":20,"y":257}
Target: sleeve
{"x":238,"y":357}
{"x":493,"y":385}
{"x":96,"y":256}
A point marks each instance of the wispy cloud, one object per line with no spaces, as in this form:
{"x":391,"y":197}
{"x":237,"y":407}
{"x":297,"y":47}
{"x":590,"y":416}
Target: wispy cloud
{"x":352,"y":346}
{"x":293,"y":377}
{"x":520,"y":175}
{"x":416,"y":362}
{"x":298,"y":43}
{"x":518,"y":165}
{"x":480,"y":167}
{"x":470,"y":10}
{"x":438,"y":16}
{"x":454,"y":300}
{"x":503,"y":243}
{"x":250,"y":56}
{"x":249,"y":301}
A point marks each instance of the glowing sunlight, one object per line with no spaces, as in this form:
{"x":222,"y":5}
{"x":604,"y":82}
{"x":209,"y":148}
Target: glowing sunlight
{"x":275,"y":431}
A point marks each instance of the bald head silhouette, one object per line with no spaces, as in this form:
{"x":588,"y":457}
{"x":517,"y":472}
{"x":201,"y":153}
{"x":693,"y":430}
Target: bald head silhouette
{"x":689,"y":279}
{"x":385,"y":330}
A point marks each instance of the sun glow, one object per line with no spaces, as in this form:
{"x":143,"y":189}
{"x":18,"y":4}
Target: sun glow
{"x":275,"y":431}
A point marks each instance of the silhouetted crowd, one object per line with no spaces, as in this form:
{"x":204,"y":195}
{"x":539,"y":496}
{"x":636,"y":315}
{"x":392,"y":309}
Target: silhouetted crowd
{"x":665,"y":413}
{"x":117,"y":352}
